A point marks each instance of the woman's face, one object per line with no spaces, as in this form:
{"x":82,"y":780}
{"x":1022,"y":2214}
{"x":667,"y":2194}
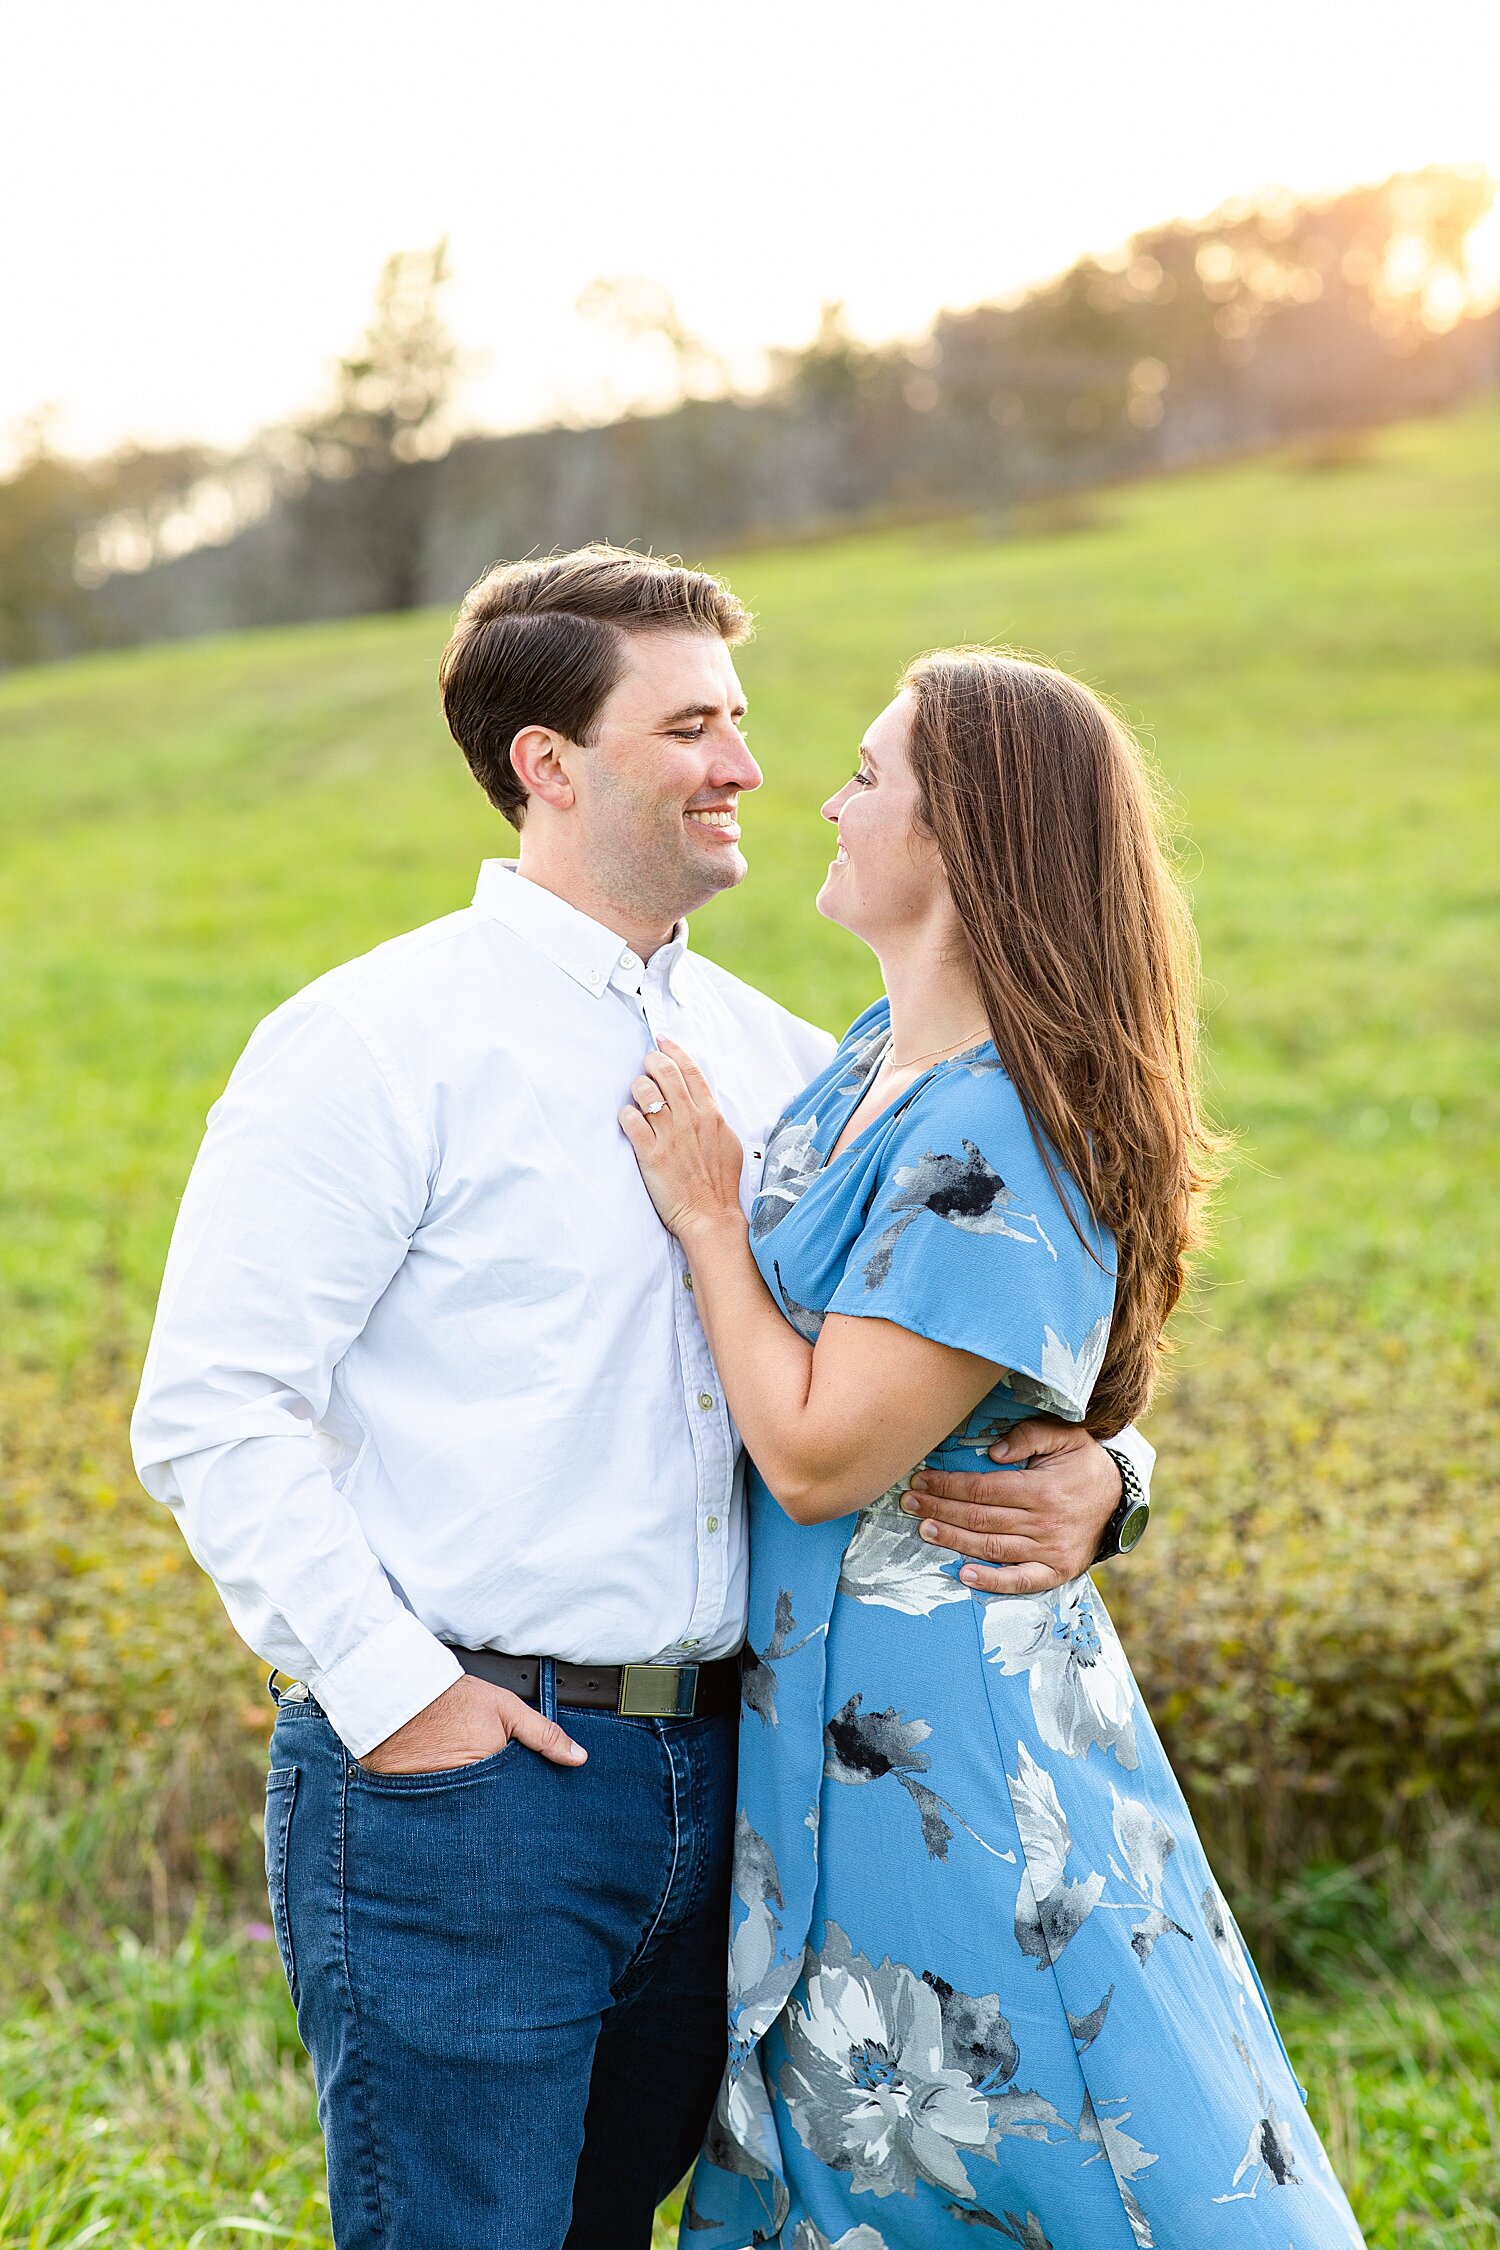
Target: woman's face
{"x":887,"y":875}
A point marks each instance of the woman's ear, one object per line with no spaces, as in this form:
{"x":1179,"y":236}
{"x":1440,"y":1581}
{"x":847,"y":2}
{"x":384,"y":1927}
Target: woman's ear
{"x":538,"y":759}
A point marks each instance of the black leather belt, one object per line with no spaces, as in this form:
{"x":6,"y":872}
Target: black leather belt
{"x":635,"y":1691}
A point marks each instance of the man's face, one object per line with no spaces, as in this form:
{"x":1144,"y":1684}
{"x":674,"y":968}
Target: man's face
{"x":657,"y":790}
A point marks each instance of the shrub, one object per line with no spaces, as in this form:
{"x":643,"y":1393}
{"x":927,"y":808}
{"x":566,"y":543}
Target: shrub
{"x":115,"y":1657}
{"x":1309,"y":1618}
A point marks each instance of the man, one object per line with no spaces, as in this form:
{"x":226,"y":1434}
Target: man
{"x":430,"y":1399}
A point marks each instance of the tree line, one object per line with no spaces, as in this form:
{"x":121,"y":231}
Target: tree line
{"x":1271,"y":317}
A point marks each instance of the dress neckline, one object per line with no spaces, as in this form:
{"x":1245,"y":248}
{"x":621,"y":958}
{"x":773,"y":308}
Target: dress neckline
{"x":897,"y":1102}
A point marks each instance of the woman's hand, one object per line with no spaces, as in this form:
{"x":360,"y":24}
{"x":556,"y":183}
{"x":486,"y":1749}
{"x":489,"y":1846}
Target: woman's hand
{"x":689,"y":1158}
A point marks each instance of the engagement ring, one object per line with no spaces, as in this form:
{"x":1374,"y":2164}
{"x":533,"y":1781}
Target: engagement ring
{"x":651,"y":1108}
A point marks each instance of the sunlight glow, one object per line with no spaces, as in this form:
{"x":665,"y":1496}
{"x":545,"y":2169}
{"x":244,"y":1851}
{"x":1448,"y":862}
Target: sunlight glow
{"x":196,"y":278}
{"x":1482,"y":261}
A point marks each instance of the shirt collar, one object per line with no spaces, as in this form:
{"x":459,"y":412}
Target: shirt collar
{"x":584,"y":949}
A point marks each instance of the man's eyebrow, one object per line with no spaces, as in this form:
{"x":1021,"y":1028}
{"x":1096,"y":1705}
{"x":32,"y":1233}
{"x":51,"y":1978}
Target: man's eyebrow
{"x":869,"y":756}
{"x":703,"y":711}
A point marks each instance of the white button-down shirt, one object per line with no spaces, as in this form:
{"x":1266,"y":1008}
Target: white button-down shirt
{"x":426,"y":1366}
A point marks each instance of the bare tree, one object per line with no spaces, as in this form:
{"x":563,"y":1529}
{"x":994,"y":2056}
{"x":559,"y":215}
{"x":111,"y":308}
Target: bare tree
{"x":393,"y":391}
{"x":44,"y":504}
{"x":371,"y":450}
{"x":645,"y":311}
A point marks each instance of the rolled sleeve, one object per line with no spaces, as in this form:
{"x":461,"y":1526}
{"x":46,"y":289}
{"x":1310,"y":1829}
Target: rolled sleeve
{"x":385,"y":1681}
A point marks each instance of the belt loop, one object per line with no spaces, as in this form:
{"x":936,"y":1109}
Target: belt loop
{"x":548,"y":1687}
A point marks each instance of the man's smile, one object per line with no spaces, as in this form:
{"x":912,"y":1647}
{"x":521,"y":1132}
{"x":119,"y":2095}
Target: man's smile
{"x":720,"y":819}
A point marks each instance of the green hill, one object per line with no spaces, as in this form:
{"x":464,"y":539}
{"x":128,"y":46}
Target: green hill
{"x":1310,"y":643}
{"x":191,"y":832}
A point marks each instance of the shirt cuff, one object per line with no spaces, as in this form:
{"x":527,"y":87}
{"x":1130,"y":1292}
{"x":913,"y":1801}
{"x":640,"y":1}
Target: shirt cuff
{"x":1138,"y":1451}
{"x":384,"y":1682}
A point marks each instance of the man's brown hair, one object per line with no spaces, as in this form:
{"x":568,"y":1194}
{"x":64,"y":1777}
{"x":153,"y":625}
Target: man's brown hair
{"x":541,"y":644}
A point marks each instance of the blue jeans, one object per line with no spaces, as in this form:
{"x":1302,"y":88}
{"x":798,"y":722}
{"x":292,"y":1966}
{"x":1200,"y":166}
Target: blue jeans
{"x":509,"y":1976}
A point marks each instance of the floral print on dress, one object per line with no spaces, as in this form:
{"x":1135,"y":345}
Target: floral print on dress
{"x":756,"y":1962}
{"x":867,"y":2085}
{"x":1146,"y":1844}
{"x":1126,"y":2159}
{"x":1050,"y":1909}
{"x":792,"y":1157}
{"x":809,"y":2237}
{"x":864,"y":1746}
{"x":965,"y":1191}
{"x":807,"y":1322}
{"x":893,"y":2078}
{"x":1224,"y":1932}
{"x":1065,"y":1374}
{"x":758,"y":1672}
{"x":984,"y":1987}
{"x":857,"y":1059}
{"x":1082,"y":1692}
{"x":1269,"y":2159}
{"x":889,"y":1563}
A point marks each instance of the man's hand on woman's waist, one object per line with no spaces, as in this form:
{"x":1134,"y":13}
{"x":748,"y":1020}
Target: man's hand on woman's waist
{"x":1037,"y":1527}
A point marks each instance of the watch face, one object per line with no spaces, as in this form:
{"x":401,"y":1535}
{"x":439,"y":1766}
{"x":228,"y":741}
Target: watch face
{"x":1132,"y":1530}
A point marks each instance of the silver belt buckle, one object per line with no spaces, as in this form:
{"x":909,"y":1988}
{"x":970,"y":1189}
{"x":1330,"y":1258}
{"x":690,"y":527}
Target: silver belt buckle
{"x":657,"y":1691}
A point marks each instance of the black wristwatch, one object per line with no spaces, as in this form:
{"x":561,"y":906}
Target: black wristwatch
{"x":1126,"y":1528}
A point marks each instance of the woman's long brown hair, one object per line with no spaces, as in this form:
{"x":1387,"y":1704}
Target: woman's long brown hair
{"x":1086,"y":961}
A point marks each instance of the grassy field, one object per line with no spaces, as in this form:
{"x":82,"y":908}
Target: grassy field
{"x":190,"y":833}
{"x":167,"y":2105}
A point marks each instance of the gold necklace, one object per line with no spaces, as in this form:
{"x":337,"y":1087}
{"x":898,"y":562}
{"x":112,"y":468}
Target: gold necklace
{"x":969,"y":1038}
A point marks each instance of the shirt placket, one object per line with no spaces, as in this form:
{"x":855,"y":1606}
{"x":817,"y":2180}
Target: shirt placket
{"x":709,"y":1426}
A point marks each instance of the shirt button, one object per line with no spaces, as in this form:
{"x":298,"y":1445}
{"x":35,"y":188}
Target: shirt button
{"x":687,"y":1281}
{"x":627,"y":960}
{"x":594,"y":976}
{"x":690,"y":1644}
{"x":705,"y":1400}
{"x":713,"y":1523}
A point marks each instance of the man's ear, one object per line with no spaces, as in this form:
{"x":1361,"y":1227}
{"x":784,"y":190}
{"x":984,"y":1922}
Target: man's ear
{"x":538,"y":758}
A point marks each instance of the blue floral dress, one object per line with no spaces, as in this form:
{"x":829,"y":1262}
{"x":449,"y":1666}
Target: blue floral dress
{"x":983,"y":1983}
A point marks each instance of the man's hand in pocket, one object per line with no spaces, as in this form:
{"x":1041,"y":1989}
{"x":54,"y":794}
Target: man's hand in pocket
{"x":469,"y":1721}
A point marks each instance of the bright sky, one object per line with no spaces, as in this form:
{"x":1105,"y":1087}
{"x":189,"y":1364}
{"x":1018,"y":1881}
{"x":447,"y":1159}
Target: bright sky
{"x":195,"y":199}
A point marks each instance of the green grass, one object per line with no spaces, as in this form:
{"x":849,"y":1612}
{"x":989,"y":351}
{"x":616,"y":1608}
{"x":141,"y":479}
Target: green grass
{"x":159,"y":2098}
{"x":192,"y":832}
{"x":1402,"y":2085}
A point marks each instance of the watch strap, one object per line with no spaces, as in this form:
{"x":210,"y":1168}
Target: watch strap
{"x":1132,"y":1496}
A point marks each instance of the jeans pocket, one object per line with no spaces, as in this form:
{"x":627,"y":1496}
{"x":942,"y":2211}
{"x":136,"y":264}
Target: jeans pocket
{"x":441,"y":1777}
{"x":281,"y":1795}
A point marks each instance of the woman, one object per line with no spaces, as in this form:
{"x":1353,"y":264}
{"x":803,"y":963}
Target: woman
{"x":981,"y":1973}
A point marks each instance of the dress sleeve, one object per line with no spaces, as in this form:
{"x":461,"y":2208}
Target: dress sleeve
{"x":967,"y":1241}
